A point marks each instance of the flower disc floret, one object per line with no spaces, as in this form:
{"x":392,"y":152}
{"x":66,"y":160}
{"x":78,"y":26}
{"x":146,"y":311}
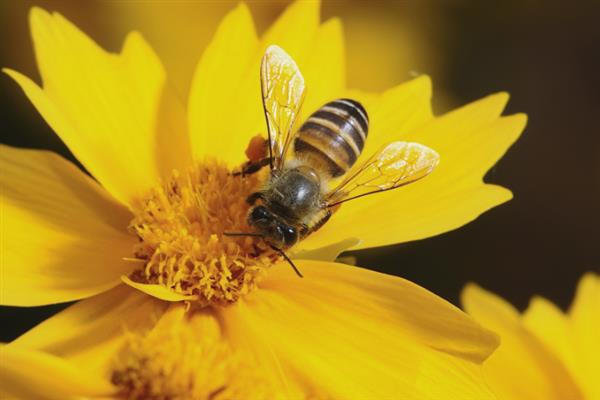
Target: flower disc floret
{"x":182,"y":246}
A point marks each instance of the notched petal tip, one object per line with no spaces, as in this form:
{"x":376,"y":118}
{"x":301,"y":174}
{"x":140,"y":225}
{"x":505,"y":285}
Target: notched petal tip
{"x":38,"y":14}
{"x":9,"y":71}
{"x":243,"y":9}
{"x":470,"y":290}
{"x":423,"y":83}
{"x":473,"y":295}
{"x":240,"y":16}
{"x":536,"y":302}
{"x":485,"y":109}
{"x":301,"y":9}
{"x":522,"y":118}
{"x":500,"y":99}
{"x":135,"y":39}
{"x":21,"y":80}
{"x":498,"y":195}
{"x":333,"y":23}
{"x":158,"y":291}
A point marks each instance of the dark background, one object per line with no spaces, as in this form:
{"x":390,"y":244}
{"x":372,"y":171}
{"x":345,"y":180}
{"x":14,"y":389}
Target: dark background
{"x":547,"y":55}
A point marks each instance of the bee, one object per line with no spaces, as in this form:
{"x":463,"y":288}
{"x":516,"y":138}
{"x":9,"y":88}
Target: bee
{"x":313,"y":169}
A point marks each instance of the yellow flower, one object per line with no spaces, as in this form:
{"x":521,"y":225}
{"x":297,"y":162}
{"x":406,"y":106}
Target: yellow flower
{"x":144,"y":241}
{"x":544,"y":353}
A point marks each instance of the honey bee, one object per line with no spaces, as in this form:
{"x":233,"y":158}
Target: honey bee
{"x":310,"y":180}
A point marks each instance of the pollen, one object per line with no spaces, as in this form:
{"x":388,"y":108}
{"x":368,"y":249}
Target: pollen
{"x":181,"y":224}
{"x":185,"y":356}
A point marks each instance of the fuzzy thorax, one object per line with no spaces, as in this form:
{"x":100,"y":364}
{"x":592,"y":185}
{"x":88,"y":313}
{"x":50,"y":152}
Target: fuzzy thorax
{"x":180,"y":226}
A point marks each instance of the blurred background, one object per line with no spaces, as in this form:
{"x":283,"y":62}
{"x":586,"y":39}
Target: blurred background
{"x":546,"y":54}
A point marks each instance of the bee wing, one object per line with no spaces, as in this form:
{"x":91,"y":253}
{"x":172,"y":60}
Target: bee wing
{"x":282,"y":87}
{"x":396,"y":164}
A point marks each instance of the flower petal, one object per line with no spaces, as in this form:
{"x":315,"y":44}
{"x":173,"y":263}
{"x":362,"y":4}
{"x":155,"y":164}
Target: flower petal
{"x":552,"y":327}
{"x":217,"y":103}
{"x":89,"y":332}
{"x":225,"y":108}
{"x":326,"y":253}
{"x":574,"y":338}
{"x":158,"y":291}
{"x":585,"y":317}
{"x":396,"y":112}
{"x":324,"y":69}
{"x":522,"y":368}
{"x":347,"y":332}
{"x":294,"y":30}
{"x":112,"y":111}
{"x":318,"y":49}
{"x":63,"y":237}
{"x":29,"y":374}
{"x":469,"y":140}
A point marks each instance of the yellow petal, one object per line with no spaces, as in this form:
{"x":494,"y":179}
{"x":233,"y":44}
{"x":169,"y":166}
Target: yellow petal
{"x":30,"y":374}
{"x":551,"y":326}
{"x":158,"y":291}
{"x":575,"y":337}
{"x":166,"y":25}
{"x":325,"y":253}
{"x":469,"y":141}
{"x":89,"y":332}
{"x":63,"y":237}
{"x":216,"y":99}
{"x":324,"y":70}
{"x":112,"y":111}
{"x":522,"y":367}
{"x":225,"y":108}
{"x":346,"y":332}
{"x":295,"y":30}
{"x":396,"y":112}
{"x":186,"y":356}
{"x":585,"y":320}
{"x":318,"y":49}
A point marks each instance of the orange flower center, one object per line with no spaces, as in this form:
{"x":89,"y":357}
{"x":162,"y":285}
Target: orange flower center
{"x":180,"y":225}
{"x":185,"y":356}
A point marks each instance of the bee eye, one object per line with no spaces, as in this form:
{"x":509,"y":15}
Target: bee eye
{"x":260,"y":213}
{"x":290,"y":235}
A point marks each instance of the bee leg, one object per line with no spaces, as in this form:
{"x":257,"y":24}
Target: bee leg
{"x":326,"y":215}
{"x":322,"y":221}
{"x":304,"y":230}
{"x":254,"y":197}
{"x":252,"y":167}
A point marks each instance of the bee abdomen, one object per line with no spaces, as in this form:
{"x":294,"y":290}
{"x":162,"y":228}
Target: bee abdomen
{"x":334,"y":136}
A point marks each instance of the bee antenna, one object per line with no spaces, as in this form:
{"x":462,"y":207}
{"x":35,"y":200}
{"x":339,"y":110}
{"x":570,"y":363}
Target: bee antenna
{"x":242,"y":234}
{"x":289,"y":260}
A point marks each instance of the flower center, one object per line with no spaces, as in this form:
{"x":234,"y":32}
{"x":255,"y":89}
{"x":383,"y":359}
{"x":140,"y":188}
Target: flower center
{"x":180,"y":225}
{"x":183,"y":357}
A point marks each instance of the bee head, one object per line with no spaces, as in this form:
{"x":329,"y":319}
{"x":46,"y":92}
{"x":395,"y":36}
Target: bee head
{"x":275,"y":231}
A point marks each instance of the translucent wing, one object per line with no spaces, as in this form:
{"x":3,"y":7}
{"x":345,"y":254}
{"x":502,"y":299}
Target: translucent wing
{"x":282,"y":87}
{"x":396,"y":164}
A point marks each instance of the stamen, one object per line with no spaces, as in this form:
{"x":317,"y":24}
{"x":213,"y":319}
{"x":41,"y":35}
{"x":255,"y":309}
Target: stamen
{"x":184,"y":357}
{"x":181,"y":226}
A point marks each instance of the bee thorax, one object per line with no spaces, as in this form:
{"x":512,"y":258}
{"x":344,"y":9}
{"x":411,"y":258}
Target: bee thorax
{"x":294,"y":193}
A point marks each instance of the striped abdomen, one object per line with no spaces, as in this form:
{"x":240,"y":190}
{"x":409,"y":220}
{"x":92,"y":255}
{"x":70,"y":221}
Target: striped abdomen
{"x":334,"y":136}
